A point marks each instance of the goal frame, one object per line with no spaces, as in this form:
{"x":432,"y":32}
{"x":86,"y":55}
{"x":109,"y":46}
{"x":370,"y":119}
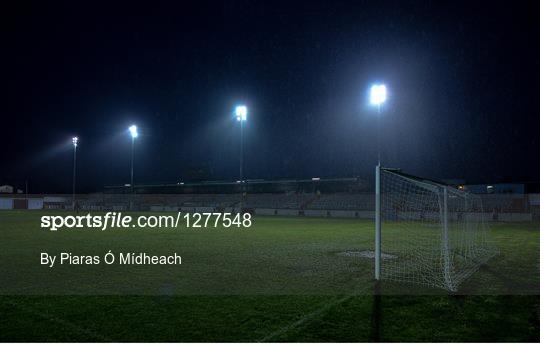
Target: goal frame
{"x":445,"y":249}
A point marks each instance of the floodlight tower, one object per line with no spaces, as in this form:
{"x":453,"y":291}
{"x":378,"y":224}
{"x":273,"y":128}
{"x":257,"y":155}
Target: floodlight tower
{"x":241,"y":116}
{"x":377,"y":96}
{"x":134,"y":134}
{"x":75,"y":141}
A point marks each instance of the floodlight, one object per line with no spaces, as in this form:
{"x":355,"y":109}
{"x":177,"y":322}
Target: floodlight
{"x":75,"y":141}
{"x":241,"y":113}
{"x":377,"y":94}
{"x":133,"y":131}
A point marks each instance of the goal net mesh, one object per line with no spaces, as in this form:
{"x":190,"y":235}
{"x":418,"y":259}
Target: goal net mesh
{"x":436,"y":234}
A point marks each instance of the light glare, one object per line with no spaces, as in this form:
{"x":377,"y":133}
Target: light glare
{"x":241,"y":113}
{"x":75,"y":141}
{"x":133,"y":131}
{"x":378,"y":94}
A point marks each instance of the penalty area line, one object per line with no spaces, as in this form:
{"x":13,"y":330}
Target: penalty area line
{"x":306,"y":318}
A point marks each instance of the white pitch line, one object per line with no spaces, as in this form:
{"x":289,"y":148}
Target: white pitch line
{"x":305,"y":319}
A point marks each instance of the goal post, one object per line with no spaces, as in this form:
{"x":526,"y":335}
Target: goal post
{"x":427,"y":232}
{"x":445,"y":247}
{"x":378,"y":222}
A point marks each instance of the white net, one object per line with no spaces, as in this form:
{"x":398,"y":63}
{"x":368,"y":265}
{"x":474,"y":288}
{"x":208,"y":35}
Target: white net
{"x":436,"y":232}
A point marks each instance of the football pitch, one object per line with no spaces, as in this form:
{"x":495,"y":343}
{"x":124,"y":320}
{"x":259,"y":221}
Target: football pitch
{"x":283,"y":279}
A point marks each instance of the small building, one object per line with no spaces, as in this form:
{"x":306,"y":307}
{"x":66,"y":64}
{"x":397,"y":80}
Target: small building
{"x":6,"y":189}
{"x":500,"y":188}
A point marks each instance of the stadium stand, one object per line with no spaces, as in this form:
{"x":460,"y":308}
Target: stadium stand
{"x":504,"y":203}
{"x":277,"y":201}
{"x":342,"y":201}
{"x":337,"y":198}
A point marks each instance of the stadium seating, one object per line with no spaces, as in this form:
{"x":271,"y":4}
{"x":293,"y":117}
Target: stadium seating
{"x":343,"y":202}
{"x":276,"y":201}
{"x":491,"y":203}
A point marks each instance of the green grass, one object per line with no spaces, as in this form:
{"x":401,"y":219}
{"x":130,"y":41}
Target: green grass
{"x":281,"y":280}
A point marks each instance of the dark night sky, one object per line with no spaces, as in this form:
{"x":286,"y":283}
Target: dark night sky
{"x":463,"y":81}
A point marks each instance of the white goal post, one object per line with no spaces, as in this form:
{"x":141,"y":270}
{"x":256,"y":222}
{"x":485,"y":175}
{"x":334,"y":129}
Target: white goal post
{"x":426,"y":232}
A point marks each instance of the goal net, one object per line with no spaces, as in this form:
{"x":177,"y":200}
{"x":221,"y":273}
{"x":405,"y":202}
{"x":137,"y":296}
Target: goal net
{"x":432,"y":234}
